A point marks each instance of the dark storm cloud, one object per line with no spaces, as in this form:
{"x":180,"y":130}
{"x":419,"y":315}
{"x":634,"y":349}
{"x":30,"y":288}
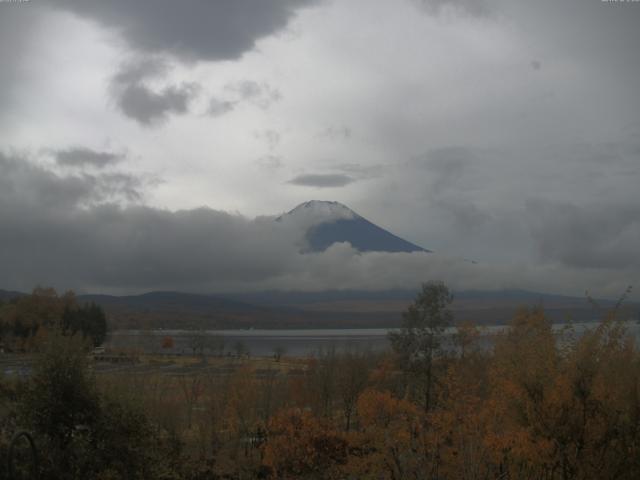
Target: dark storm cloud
{"x":25,"y":183}
{"x":108,"y":246}
{"x":65,"y":230}
{"x":138,"y":101}
{"x":593,"y":236}
{"x":149,"y":108}
{"x":193,"y":29}
{"x":82,"y":156}
{"x":322,"y":180}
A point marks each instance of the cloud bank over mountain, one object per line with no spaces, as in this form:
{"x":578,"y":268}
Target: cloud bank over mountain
{"x":93,"y":233}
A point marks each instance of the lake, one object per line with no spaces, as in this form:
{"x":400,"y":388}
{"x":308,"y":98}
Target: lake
{"x":296,"y":342}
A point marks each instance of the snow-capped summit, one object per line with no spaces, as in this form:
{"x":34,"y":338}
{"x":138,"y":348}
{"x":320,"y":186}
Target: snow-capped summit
{"x":323,"y":210}
{"x":324,"y":223}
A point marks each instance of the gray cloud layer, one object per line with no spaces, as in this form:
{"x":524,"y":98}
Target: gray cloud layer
{"x":190,"y":30}
{"x":470,"y":7}
{"x":322,"y":180}
{"x":598,"y":237}
{"x":82,"y":156}
{"x":218,"y":107}
{"x":18,"y":28}
{"x":74,"y":232}
{"x":261,"y":95}
{"x":139,"y":102}
{"x":24,"y":184}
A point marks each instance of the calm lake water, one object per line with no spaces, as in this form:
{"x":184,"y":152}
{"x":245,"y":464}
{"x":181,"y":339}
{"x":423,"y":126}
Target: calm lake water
{"x":293,"y":342}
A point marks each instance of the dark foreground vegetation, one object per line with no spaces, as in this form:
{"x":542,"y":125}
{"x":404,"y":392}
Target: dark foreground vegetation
{"x":529,"y":408}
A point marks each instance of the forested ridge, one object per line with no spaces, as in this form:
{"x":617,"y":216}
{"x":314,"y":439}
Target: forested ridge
{"x":25,"y":318}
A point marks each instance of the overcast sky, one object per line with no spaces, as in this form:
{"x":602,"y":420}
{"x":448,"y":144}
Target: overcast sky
{"x":141,"y":139}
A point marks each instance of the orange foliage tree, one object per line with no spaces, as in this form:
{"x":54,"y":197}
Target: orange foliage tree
{"x":390,"y":441}
{"x":300,"y":446}
{"x":564,"y":412}
{"x":167,"y":343}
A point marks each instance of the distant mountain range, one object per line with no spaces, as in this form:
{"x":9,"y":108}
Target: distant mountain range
{"x":332,"y":222}
{"x":9,"y":294}
{"x":329,"y":309}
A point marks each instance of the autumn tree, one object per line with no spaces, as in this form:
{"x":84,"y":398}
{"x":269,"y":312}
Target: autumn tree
{"x":167,"y":343}
{"x":352,"y":377}
{"x":522,"y":375}
{"x":457,"y":428}
{"x":389,"y":443}
{"x":564,"y":411}
{"x":60,"y":397}
{"x":44,"y":310}
{"x":192,"y":388}
{"x":80,"y":432}
{"x":272,"y":389}
{"x":241,"y":422}
{"x":419,"y":339}
{"x":300,"y":446}
{"x":466,"y":338}
{"x":23,"y":316}
{"x":89,"y":320}
{"x":321,"y":379}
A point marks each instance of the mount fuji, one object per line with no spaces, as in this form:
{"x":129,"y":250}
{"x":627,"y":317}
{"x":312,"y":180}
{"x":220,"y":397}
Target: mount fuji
{"x":326,"y":223}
